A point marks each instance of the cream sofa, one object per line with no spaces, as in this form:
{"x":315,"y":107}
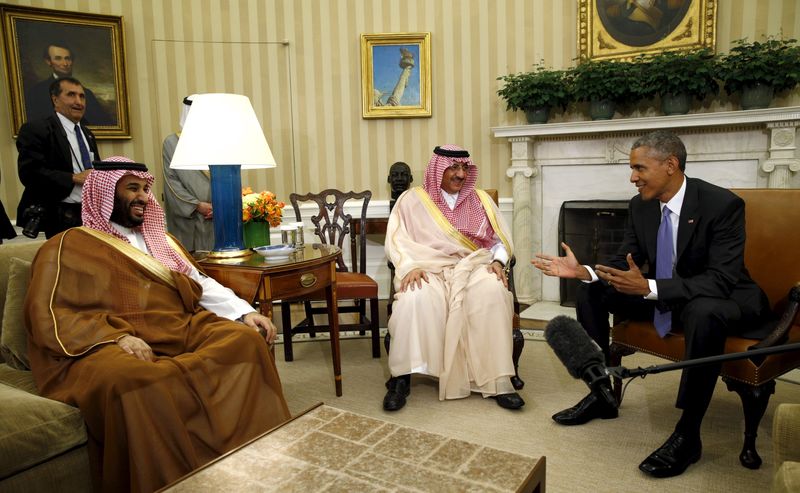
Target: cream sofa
{"x":42,"y":441}
{"x":786,"y":448}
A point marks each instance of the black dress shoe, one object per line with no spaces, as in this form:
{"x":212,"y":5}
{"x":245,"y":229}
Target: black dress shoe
{"x":671,"y":459}
{"x":395,"y":398}
{"x":590,"y":407}
{"x":509,"y":401}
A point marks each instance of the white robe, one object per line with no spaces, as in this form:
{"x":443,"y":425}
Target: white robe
{"x":457,"y":327}
{"x":183,"y":190}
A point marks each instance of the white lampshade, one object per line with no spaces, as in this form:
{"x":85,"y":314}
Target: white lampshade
{"x":222,"y":129}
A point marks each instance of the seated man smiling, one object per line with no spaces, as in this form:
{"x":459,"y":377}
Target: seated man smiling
{"x":452,"y":312}
{"x":167,"y":366}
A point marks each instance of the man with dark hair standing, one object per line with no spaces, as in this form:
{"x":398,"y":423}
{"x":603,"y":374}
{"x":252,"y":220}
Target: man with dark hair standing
{"x":55,"y":157}
{"x":60,"y":57}
{"x":691,"y":236}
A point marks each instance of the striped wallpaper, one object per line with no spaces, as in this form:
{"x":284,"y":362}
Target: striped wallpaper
{"x":298,"y":61}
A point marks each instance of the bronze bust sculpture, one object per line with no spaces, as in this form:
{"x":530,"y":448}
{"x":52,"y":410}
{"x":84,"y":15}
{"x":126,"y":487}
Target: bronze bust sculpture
{"x":400,"y":179}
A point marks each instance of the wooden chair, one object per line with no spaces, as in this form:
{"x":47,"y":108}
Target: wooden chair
{"x":516,"y":334}
{"x":772,"y":219}
{"x":332,"y":226}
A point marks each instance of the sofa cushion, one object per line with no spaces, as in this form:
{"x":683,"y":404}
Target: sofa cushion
{"x":21,"y":379}
{"x":787,"y":479}
{"x":34,"y":429}
{"x":14,"y":336}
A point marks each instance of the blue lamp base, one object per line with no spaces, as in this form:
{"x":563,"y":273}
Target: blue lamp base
{"x":226,"y":201}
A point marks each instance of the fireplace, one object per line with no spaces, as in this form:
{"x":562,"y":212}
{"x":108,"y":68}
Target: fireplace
{"x":594,"y":230}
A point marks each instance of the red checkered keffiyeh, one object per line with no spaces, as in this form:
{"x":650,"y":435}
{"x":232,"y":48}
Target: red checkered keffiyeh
{"x":468,"y":215}
{"x":98,"y":203}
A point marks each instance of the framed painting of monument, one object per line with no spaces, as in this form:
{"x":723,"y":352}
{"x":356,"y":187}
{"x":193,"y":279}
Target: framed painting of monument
{"x":396,"y":75}
{"x":619,"y":29}
{"x":41,"y":45}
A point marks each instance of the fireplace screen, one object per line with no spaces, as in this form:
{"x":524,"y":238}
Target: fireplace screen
{"x":594,"y":229}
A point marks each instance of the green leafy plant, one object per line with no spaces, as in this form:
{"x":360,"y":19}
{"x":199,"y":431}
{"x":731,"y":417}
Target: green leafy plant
{"x":614,"y":80}
{"x":539,"y":88}
{"x":774,"y":62}
{"x":676,"y":72}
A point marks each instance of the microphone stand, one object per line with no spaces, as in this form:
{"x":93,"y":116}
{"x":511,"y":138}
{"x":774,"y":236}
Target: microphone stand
{"x":622,"y":372}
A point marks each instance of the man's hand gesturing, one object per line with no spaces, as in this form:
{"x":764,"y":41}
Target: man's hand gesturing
{"x":566,"y":267}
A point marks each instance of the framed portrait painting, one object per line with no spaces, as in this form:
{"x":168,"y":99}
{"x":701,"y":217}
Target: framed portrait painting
{"x":396,"y":75}
{"x":41,"y":45}
{"x":621,"y":29}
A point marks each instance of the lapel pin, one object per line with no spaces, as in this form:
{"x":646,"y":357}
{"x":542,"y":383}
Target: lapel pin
{"x":690,"y":221}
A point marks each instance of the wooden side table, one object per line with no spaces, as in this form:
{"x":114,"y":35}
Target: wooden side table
{"x":307,"y":271}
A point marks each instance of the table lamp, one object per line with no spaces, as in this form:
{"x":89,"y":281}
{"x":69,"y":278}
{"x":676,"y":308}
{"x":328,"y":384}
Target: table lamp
{"x":222,"y":134}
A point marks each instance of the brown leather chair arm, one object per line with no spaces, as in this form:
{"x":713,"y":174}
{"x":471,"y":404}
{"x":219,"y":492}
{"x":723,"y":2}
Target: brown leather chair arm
{"x":781,"y":331}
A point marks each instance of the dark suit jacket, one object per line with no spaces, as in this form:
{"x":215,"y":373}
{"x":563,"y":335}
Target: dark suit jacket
{"x":45,"y":164}
{"x":710,"y":249}
{"x":38,"y":105}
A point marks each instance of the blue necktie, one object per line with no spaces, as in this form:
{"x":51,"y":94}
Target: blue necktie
{"x":85,"y":160}
{"x":663,"y":320}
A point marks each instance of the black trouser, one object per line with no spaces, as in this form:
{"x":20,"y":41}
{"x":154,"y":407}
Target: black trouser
{"x":706,"y":323}
{"x":65,"y":215}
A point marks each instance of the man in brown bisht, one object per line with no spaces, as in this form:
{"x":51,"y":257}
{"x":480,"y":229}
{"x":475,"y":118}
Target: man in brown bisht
{"x":452,"y":309}
{"x":169,"y":368}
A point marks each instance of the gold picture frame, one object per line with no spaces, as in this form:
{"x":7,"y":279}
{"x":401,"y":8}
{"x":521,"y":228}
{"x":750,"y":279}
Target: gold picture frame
{"x":616,"y":29}
{"x":41,"y":44}
{"x":396,"y":75}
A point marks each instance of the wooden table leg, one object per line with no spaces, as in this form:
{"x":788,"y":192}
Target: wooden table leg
{"x":333,"y":321}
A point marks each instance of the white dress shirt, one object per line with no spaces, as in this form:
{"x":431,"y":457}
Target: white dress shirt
{"x":77,"y":167}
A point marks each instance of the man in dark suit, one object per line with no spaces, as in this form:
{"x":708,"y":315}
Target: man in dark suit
{"x":697,"y":280}
{"x":59,"y":57}
{"x":55,"y":155}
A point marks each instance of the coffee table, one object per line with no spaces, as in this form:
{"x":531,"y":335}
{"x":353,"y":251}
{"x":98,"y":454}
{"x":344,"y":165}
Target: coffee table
{"x":328,"y":449}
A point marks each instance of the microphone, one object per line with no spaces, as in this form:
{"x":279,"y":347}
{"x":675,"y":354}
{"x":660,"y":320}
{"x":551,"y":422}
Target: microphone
{"x":580,"y":355}
{"x":584,"y":359}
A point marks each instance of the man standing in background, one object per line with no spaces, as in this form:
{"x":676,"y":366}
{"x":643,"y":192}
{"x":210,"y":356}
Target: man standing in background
{"x":55,"y":157}
{"x":187,"y":196}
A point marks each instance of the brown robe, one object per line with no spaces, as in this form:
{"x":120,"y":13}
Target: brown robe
{"x":213,"y":385}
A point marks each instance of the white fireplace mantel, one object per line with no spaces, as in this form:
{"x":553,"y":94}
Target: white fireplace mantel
{"x":554,"y":162}
{"x":644,"y":124}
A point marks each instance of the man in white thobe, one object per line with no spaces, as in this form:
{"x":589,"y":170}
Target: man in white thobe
{"x":452,"y":309}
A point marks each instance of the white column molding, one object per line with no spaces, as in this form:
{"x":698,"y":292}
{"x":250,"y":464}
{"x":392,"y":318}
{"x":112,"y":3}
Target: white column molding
{"x":782,"y":160}
{"x":526,"y":226}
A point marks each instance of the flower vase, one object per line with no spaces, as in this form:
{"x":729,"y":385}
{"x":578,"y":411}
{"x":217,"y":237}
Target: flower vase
{"x":256,"y":234}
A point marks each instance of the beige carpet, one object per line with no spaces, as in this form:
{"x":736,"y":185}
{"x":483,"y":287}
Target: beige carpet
{"x":601,"y":456}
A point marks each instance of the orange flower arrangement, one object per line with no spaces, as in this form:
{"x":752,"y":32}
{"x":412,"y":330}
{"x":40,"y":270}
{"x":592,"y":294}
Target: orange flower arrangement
{"x":261,"y":207}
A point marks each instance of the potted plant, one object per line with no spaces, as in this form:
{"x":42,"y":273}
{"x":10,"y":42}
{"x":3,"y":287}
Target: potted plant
{"x":605,"y":84}
{"x":757,"y":70}
{"x":535,"y":92}
{"x":678,"y":76}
